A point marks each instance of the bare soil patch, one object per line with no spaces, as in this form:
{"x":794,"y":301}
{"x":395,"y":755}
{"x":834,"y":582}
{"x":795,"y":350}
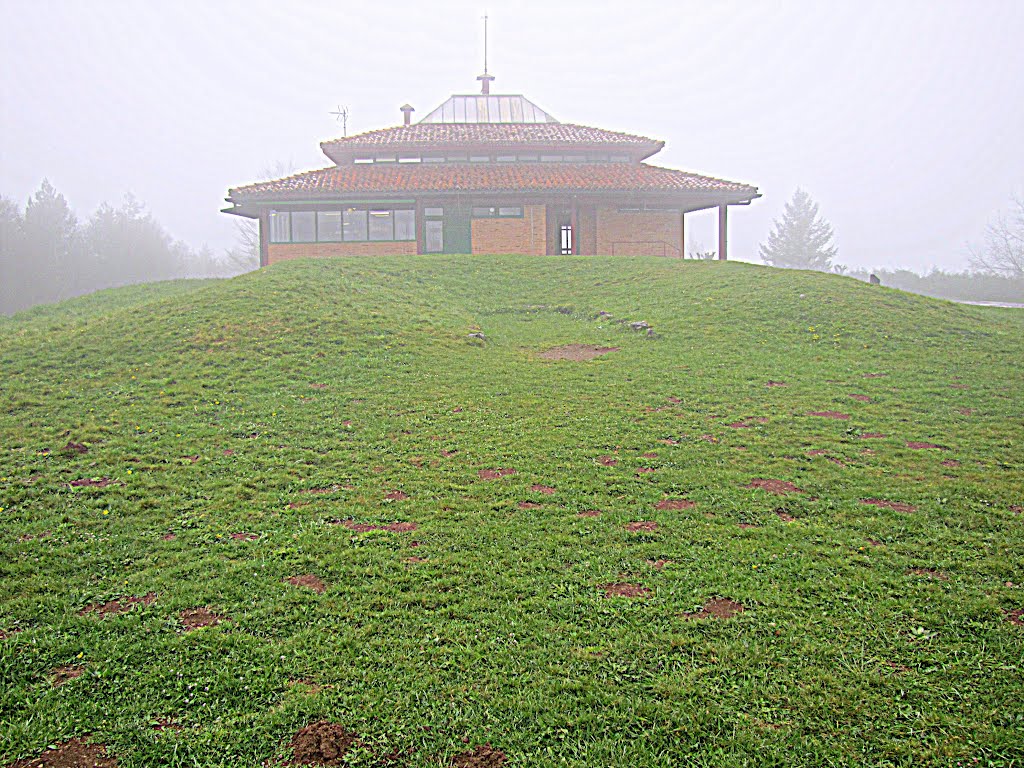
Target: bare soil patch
{"x":658,"y":564}
{"x":717,"y":608}
{"x":168,"y":537}
{"x":89,"y":482}
{"x":898,"y":506}
{"x":709,"y":438}
{"x":675,"y":504}
{"x":784,"y":516}
{"x":483,"y":756}
{"x":529,"y":505}
{"x":588,"y":513}
{"x":35,"y":536}
{"x":1016,"y":616}
{"x":118,"y":606}
{"x":966,"y":411}
{"x":621,"y":589}
{"x":871,"y":436}
{"x":778,"y":487}
{"x":875,"y":375}
{"x":413,"y":560}
{"x":923,"y":446}
{"x":830,"y":415}
{"x":228,"y":452}
{"x":448,"y":454}
{"x":308,"y":580}
{"x":748,"y":526}
{"x":930,"y":573}
{"x":321,"y":491}
{"x":190,"y":459}
{"x":740,"y":425}
{"x":165,"y":724}
{"x":1017,"y":508}
{"x":194,"y":618}
{"x":642,"y":525}
{"x":494,"y":474}
{"x":244,"y":536}
{"x":645,"y":470}
{"x":874,"y":543}
{"x":776,"y":384}
{"x":958,"y":386}
{"x":71,"y":754}
{"x":576,"y":352}
{"x":61,"y":675}
{"x":668,"y":441}
{"x":951,"y":463}
{"x":607,"y":461}
{"x":396,"y":496}
{"x":318,"y":386}
{"x":861,"y":398}
{"x":321,"y":743}
{"x":545,"y":489}
{"x":75,"y":448}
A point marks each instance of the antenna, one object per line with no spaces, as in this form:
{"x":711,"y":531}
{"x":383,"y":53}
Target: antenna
{"x":485,"y":43}
{"x":342,"y":117}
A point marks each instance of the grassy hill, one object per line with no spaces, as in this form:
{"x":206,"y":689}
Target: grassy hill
{"x":657,"y":556}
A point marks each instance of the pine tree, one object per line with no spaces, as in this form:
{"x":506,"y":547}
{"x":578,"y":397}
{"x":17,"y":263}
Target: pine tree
{"x":800,"y":239}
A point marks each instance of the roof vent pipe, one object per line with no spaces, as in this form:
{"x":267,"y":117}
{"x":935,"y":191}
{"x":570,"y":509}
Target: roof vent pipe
{"x":407,"y":110}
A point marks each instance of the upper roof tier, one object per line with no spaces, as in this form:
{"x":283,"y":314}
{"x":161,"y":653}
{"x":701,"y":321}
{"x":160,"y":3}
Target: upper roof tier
{"x":498,"y":108}
{"x":448,"y":136}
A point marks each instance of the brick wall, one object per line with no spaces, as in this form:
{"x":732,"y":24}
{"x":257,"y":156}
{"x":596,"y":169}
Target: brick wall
{"x":285,"y":251}
{"x":525,"y":235}
{"x":647,"y":233}
{"x":586,"y":235}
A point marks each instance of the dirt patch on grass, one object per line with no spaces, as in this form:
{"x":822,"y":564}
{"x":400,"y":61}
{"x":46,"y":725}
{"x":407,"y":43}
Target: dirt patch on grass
{"x":318,"y":386}
{"x":875,"y":375}
{"x":413,"y":560}
{"x":494,"y":474}
{"x":873,"y":542}
{"x":748,"y":526}
{"x":529,"y":505}
{"x":1017,"y":508}
{"x":588,"y":513}
{"x":658,"y":564}
{"x":483,"y":756}
{"x":830,"y":415}
{"x":165,"y":724}
{"x":950,"y":463}
{"x":871,"y":436}
{"x":717,"y":608}
{"x":75,"y":448}
{"x":861,"y":398}
{"x":321,"y":743}
{"x":168,"y":537}
{"x":1015,"y":616}
{"x":923,"y":446}
{"x":931,"y":573}
{"x":709,"y":438}
{"x":576,"y":352}
{"x":776,"y":384}
{"x":642,"y":525}
{"x":71,"y":754}
{"x":740,"y":425}
{"x":966,"y":411}
{"x":607,"y":461}
{"x":118,"y":606}
{"x":244,"y":536}
{"x":321,"y":491}
{"x":784,"y":516}
{"x":9,"y":633}
{"x":190,"y":459}
{"x":61,"y":675}
{"x":396,"y":496}
{"x":898,"y":506}
{"x":545,"y":489}
{"x":621,"y":589}
{"x":91,"y":482}
{"x":194,"y":618}
{"x":308,"y":580}
{"x":675,"y":505}
{"x":646,"y":470}
{"x":448,"y":454}
{"x":778,"y":487}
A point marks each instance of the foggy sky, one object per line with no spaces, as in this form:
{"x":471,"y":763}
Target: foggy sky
{"x":903,"y":120}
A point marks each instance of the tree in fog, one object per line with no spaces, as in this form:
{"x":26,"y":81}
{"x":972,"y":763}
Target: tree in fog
{"x":245,"y":255}
{"x":50,"y":246}
{"x":1003,"y":252}
{"x":800,"y":240}
{"x":10,"y":251}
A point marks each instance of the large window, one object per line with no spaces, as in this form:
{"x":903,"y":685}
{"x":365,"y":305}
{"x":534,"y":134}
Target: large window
{"x":353,"y":225}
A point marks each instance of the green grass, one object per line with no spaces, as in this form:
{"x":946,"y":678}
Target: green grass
{"x":843,"y":656}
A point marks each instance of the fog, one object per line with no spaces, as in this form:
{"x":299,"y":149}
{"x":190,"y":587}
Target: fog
{"x":902,"y":120}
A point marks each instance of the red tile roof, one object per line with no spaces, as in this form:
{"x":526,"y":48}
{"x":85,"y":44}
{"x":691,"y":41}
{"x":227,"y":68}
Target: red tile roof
{"x":487,"y":177}
{"x":519,"y":135}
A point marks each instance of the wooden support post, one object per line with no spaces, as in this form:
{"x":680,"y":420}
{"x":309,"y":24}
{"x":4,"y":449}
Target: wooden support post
{"x":682,"y":235}
{"x":264,"y":234}
{"x":723,"y":232}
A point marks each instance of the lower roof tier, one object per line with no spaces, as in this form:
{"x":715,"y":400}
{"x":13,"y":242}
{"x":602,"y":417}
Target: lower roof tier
{"x":526,"y":178}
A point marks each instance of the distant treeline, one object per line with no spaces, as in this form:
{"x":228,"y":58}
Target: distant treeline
{"x":47,"y":254}
{"x":962,"y":286}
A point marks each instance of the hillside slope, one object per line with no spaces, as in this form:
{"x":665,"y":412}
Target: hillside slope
{"x":838,"y":466}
